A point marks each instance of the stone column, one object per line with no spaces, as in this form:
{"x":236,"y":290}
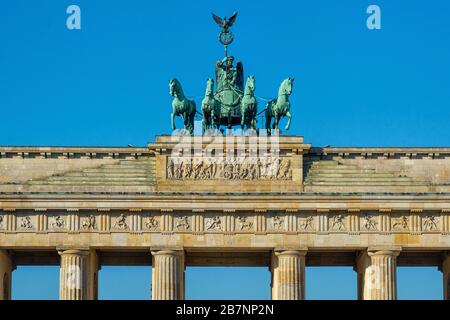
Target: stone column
{"x":168,"y":275}
{"x":93,"y":269}
{"x":288,"y":274}
{"x":73,"y":279}
{"x":6,"y":268}
{"x":446,"y":276}
{"x":377,"y":275}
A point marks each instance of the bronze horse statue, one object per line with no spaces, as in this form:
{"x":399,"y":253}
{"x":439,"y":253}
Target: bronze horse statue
{"x":182,"y":106}
{"x":210,"y":108}
{"x":249,"y":105}
{"x":280,"y":107}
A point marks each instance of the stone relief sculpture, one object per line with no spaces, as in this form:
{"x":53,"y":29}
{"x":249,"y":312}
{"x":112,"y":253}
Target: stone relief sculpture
{"x":430,"y":223}
{"x":152,"y":223}
{"x":400,"y":223}
{"x":89,"y":223}
{"x":277,"y":222}
{"x":213,"y":223}
{"x":121,"y":222}
{"x":25,"y":222}
{"x":337,"y":222}
{"x":369,"y":222}
{"x":59,"y":222}
{"x":214,"y":169}
{"x":1,"y":221}
{"x":182,"y":223}
{"x":307,"y":224}
{"x":244,"y":223}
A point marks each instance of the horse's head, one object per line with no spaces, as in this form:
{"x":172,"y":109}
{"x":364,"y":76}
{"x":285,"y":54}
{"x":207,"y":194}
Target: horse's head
{"x":250,"y":85}
{"x":174,"y":87}
{"x":209,"y":87}
{"x":286,"y":86}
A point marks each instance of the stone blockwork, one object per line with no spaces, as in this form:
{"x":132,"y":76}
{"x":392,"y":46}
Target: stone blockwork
{"x":379,"y":170}
{"x":371,"y":208}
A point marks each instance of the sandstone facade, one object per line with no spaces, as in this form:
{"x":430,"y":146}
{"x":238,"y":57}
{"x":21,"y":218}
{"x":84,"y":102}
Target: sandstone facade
{"x":371,"y":208}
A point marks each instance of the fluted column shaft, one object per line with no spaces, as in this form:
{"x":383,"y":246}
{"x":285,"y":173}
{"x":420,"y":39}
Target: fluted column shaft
{"x":73,"y":279}
{"x":288,"y":275}
{"x":377,"y":274}
{"x":6,"y":268}
{"x":446,"y":276}
{"x":168,"y":275}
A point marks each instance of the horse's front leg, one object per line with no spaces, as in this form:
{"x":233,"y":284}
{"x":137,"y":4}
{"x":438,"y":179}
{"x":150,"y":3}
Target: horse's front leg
{"x":173,"y":120}
{"x":288,"y":124}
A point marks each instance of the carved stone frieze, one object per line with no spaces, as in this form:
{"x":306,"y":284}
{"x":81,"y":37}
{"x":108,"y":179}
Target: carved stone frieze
{"x":152,"y":223}
{"x":337,"y":222}
{"x":244,"y":223}
{"x":400,"y":223}
{"x":430,"y":223}
{"x":121,"y":222}
{"x":213,"y":223}
{"x":210,"y":168}
{"x":58,"y":223}
{"x":25,"y":222}
{"x":89,"y":222}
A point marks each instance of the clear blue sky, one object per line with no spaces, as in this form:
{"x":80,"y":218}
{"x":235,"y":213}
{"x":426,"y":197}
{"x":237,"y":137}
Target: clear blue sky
{"x":108,"y":85}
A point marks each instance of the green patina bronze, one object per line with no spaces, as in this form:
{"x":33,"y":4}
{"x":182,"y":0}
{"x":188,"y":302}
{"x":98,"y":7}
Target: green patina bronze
{"x":280,"y":107}
{"x":181,"y":106}
{"x":210,"y":108}
{"x":229,"y":91}
{"x":230,"y":105}
{"x":249,"y":105}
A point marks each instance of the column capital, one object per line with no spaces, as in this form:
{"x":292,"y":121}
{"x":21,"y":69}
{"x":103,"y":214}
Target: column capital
{"x":291,"y":251}
{"x":78,"y":251}
{"x":167,"y":252}
{"x":384,"y":251}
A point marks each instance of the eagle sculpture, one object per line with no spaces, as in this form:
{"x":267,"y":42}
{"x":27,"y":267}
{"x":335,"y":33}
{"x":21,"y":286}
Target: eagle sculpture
{"x":225,"y":23}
